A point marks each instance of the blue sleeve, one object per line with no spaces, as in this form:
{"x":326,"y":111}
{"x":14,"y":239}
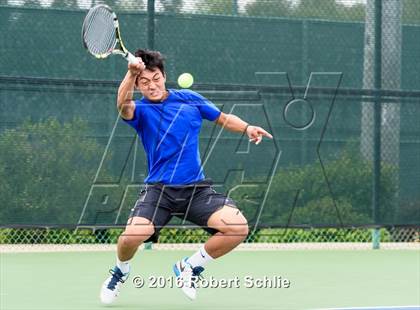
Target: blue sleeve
{"x":207,"y":108}
{"x":135,"y":121}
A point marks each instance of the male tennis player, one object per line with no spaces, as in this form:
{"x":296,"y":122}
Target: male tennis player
{"x":168,"y":122}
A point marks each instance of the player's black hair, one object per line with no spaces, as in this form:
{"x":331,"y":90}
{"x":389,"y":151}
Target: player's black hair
{"x":152,"y":59}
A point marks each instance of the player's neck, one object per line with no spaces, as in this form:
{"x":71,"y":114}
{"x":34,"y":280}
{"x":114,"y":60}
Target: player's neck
{"x":164,"y":97}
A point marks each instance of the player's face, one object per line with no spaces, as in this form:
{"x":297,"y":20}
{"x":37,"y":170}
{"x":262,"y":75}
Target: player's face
{"x":152,"y":85}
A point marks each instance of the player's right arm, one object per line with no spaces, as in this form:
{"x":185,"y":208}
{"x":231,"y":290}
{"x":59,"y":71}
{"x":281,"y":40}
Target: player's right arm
{"x":125,"y":103}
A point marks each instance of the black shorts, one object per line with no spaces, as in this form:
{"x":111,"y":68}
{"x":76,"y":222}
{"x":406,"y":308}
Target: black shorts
{"x":193,"y":202}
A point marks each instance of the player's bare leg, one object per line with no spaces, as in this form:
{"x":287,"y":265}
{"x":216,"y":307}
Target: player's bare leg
{"x":233,"y":229}
{"x":138,"y":230}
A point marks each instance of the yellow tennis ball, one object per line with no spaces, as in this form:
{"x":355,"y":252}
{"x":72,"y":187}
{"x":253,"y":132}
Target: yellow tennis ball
{"x":185,"y":80}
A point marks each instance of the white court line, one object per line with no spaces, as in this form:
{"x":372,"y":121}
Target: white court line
{"x":417,"y":307}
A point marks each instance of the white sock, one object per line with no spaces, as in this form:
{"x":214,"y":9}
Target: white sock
{"x":124,"y":266}
{"x":199,"y":258}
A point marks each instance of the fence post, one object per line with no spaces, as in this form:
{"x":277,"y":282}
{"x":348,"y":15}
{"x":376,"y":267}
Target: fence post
{"x":150,"y":24}
{"x":234,"y":7}
{"x":305,"y":75}
{"x":377,"y":122}
{"x":376,"y":238}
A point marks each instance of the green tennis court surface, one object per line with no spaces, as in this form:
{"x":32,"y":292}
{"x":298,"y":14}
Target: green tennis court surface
{"x":318,"y":279}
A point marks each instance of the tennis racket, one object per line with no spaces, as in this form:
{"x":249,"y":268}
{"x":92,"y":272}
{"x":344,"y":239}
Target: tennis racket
{"x":101,"y":34}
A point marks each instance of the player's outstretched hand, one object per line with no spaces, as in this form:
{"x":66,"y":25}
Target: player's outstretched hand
{"x":136,"y":68}
{"x":255,"y":134}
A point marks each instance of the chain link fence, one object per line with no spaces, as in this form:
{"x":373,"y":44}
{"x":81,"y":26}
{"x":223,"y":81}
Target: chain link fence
{"x":102,"y":239}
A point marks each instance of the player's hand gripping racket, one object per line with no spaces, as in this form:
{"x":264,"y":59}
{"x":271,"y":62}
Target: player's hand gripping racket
{"x":101,"y":34}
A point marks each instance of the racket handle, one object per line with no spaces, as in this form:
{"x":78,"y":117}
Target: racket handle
{"x":131,"y":58}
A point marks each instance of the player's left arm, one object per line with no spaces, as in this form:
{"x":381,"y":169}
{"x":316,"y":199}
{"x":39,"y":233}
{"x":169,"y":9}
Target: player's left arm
{"x":235,"y":124}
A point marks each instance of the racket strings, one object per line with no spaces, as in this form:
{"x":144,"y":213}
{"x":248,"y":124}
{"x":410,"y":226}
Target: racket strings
{"x":100,"y":34}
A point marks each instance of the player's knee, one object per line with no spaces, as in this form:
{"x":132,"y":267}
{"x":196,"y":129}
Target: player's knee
{"x":238,"y":229}
{"x":243,"y":230}
{"x":134,"y":238}
{"x":129,"y":241}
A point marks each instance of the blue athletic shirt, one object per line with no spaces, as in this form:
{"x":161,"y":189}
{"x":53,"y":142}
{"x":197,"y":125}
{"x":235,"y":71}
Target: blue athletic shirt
{"x":169,"y":131}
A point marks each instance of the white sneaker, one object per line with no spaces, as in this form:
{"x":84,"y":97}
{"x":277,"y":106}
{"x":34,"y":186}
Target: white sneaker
{"x":111,"y":287}
{"x":188,"y":276}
